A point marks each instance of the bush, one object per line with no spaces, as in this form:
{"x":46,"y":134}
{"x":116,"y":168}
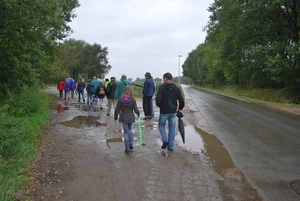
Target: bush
{"x":21,"y":116}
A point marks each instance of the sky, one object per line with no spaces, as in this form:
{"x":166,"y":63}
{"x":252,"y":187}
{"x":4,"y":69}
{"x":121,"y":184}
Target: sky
{"x":142,"y":35}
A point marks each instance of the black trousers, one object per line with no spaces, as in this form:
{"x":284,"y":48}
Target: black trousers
{"x":147,"y":105}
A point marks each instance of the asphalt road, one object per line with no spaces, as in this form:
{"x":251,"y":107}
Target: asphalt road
{"x":263,"y":142}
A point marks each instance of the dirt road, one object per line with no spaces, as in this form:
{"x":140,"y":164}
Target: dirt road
{"x":82,"y":158}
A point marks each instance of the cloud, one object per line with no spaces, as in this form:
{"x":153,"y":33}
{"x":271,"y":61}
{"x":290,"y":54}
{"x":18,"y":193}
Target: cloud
{"x":143,"y":35}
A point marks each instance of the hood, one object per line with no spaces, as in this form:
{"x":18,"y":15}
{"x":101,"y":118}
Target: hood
{"x":126,"y":99}
{"x":170,"y":87}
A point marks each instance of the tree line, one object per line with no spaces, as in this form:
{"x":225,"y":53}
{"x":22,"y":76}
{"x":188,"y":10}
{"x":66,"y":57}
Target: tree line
{"x":249,"y":44}
{"x":33,"y":49}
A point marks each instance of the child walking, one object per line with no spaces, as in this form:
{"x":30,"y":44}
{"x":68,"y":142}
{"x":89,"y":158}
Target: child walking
{"x":126,"y":105}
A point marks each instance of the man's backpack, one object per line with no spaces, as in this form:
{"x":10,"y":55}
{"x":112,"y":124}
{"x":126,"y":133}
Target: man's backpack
{"x":102,"y":91}
{"x":92,"y":89}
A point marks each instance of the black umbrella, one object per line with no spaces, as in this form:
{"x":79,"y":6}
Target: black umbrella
{"x":181,"y":126}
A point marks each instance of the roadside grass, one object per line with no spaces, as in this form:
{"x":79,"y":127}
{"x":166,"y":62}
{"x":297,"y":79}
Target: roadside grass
{"x":264,"y":96}
{"x":22,"y":116}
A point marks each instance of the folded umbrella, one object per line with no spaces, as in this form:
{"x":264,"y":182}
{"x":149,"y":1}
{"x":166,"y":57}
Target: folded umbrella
{"x":181,"y":126}
{"x":139,"y":124}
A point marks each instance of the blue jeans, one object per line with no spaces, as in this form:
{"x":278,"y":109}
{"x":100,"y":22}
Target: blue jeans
{"x":127,"y":134}
{"x":90,"y":98}
{"x":152,"y":111}
{"x":80,"y":92}
{"x":171,"y":117}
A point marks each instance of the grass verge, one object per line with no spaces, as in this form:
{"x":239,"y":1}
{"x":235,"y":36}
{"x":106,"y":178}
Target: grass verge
{"x":264,"y":96}
{"x":22,"y":116}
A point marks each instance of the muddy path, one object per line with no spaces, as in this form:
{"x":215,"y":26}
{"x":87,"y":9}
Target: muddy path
{"x":82,"y":158}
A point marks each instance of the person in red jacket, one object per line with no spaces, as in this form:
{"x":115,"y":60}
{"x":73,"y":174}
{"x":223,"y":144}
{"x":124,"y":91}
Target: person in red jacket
{"x":60,"y":87}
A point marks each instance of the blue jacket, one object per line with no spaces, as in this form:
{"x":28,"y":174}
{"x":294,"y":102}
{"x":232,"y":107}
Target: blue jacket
{"x":149,"y":87}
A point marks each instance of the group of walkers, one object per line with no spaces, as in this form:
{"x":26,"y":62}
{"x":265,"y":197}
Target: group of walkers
{"x":120,"y":95}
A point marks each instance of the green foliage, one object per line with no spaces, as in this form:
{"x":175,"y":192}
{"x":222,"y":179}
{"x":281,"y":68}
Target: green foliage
{"x":21,"y":116}
{"x":29,"y":31}
{"x":81,"y":58}
{"x":250,"y":44}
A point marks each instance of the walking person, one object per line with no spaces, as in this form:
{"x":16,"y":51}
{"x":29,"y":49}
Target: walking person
{"x":147,"y":94}
{"x":167,"y":99}
{"x":95,"y":83}
{"x":60,"y":88}
{"x":110,"y":94}
{"x":80,"y":89}
{"x":67,"y":88}
{"x":90,"y":92}
{"x":100,"y":93}
{"x":126,"y":107}
{"x":72,"y":87}
{"x":121,"y":85}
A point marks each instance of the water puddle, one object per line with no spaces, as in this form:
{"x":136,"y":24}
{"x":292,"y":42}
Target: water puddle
{"x":295,"y":185}
{"x":120,"y":139}
{"x":83,"y":122}
{"x":198,"y":141}
{"x":85,"y":107}
{"x":152,"y":126}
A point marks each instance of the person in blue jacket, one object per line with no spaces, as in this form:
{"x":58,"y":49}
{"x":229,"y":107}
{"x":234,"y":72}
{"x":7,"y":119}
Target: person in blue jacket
{"x":147,"y":94}
{"x":95,"y":82}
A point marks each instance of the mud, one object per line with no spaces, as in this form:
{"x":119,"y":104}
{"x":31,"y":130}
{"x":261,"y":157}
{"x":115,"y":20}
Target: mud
{"x":82,"y":158}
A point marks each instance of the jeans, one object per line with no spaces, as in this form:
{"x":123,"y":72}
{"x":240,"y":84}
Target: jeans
{"x":171,"y":117}
{"x":80,"y":92}
{"x":90,"y":98}
{"x":127,"y":134}
{"x":152,"y":111}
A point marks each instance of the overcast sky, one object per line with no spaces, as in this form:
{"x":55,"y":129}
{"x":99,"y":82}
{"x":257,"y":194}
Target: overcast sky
{"x":142,"y":35}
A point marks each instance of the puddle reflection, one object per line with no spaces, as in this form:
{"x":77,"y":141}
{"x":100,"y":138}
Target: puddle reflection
{"x":86,"y":108}
{"x":83,"y":121}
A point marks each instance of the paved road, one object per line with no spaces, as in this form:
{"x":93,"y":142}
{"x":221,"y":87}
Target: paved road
{"x":263,"y":142}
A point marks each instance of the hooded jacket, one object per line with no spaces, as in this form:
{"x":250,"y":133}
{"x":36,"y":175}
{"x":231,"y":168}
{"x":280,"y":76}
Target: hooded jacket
{"x":126,"y":107}
{"x":167,"y":96}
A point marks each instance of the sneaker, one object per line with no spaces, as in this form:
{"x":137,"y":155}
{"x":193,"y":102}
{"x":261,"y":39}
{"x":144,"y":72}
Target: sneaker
{"x":83,"y":100}
{"x":149,"y":117}
{"x":170,"y":149}
{"x":130,"y":146}
{"x":101,"y":108}
{"x":145,"y":118}
{"x":165,"y":144}
{"x":126,"y":151}
{"x":108,"y":114}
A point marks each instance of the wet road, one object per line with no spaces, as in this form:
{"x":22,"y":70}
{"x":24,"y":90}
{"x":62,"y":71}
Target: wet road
{"x":263,"y":142}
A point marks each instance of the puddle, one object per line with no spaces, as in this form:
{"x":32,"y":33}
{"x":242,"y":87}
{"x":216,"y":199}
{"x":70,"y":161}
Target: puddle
{"x":152,"y":126}
{"x":83,"y":121}
{"x":198,"y":141}
{"x":85,"y":107}
{"x":120,"y":139}
{"x":295,"y":185}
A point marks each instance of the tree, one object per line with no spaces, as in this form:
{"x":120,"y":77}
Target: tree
{"x":251,"y":44}
{"x":85,"y":59}
{"x":29,"y":32}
